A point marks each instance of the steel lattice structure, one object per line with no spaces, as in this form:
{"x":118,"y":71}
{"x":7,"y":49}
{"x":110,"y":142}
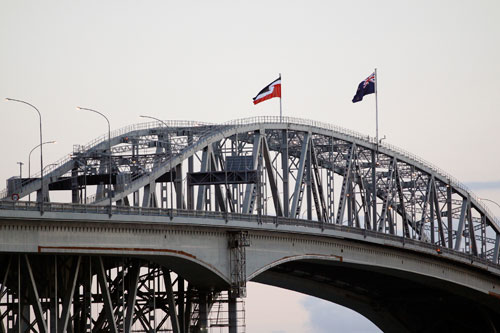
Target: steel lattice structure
{"x":294,"y":169}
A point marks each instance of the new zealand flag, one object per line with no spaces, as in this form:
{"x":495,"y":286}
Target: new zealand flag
{"x":364,"y":88}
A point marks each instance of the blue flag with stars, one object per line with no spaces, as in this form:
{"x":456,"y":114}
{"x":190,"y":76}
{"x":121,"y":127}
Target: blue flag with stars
{"x":366,"y":87}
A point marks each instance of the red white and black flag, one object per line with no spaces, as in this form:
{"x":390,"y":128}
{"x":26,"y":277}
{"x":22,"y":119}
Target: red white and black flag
{"x":272,"y":90}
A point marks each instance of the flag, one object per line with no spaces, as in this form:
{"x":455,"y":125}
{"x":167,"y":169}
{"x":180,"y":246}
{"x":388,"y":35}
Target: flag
{"x":366,"y":87}
{"x":272,"y":90}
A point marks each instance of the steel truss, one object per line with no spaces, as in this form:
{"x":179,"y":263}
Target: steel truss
{"x":71,"y":293}
{"x":295,"y":168}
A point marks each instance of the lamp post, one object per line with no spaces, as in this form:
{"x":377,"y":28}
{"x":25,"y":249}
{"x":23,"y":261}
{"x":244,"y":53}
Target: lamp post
{"x":42,"y":197}
{"x":29,"y":160}
{"x":170,"y":160}
{"x":496,"y":203}
{"x":109,"y":148}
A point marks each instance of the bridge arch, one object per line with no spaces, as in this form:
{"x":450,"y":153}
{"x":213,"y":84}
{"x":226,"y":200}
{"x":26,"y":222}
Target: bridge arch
{"x":295,"y":172}
{"x":394,"y":303}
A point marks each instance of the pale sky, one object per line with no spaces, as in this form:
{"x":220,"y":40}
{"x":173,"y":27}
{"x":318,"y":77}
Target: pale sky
{"x":438,"y":65}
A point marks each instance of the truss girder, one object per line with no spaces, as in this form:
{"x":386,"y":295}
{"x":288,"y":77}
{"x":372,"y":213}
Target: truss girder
{"x":376,"y":177}
{"x":99,"y":294}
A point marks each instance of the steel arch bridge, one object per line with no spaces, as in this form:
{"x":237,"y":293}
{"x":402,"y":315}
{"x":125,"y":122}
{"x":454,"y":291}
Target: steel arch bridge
{"x":371,"y":223}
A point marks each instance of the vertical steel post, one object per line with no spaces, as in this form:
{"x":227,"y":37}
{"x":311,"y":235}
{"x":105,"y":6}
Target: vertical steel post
{"x":54,"y":315}
{"x":190,"y":190}
{"x":308,"y":182}
{"x":431,"y":210}
{"x":180,"y":303}
{"x":449,"y":215}
{"x":284,"y":166}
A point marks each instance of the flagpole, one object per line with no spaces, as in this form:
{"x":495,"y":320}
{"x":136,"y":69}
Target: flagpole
{"x":376,"y":107}
{"x":281,"y":110}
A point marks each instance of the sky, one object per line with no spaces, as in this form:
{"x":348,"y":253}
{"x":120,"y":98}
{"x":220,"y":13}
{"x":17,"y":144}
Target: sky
{"x":437,"y":63}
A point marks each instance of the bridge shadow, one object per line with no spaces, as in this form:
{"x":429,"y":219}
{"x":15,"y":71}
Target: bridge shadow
{"x":395,"y":301}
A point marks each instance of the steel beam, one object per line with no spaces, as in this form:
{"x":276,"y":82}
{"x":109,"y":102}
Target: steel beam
{"x":188,"y":313}
{"x":108,"y":305}
{"x":250,"y":192}
{"x":321,"y":207}
{"x":300,"y":175}
{"x":308,"y":182}
{"x":3,"y":289}
{"x":374,"y":189}
{"x":388,"y":197}
{"x":345,"y":188}
{"x":219,"y":196}
{"x":205,"y":166}
{"x":149,"y":197}
{"x":68,"y":295}
{"x":174,"y":320}
{"x":180,"y":303}
{"x":402,"y":203}
{"x":284,"y":167}
{"x":179,"y":191}
{"x":272,"y":180}
{"x":424,"y":208}
{"x":133,"y":281}
{"x":190,"y":189}
{"x":449,"y":214}
{"x":438,"y":216}
{"x":471,"y":230}
{"x":37,"y":306}
{"x":461,"y":223}
{"x":364,"y":194}
{"x":496,"y":249}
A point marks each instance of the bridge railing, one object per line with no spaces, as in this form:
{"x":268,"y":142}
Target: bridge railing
{"x":142,"y":126}
{"x":255,"y":219}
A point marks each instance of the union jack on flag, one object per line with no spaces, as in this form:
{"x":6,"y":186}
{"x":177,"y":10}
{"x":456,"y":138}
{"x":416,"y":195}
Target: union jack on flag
{"x":367,"y":86}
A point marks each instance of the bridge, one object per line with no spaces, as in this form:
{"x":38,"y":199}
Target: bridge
{"x":159,"y":228}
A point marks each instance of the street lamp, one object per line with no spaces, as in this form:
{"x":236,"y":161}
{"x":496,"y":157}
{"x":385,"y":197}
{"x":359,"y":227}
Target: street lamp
{"x":41,"y":151}
{"x":496,"y":203}
{"x":29,"y":161}
{"x":170,"y":160}
{"x":109,"y":148}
